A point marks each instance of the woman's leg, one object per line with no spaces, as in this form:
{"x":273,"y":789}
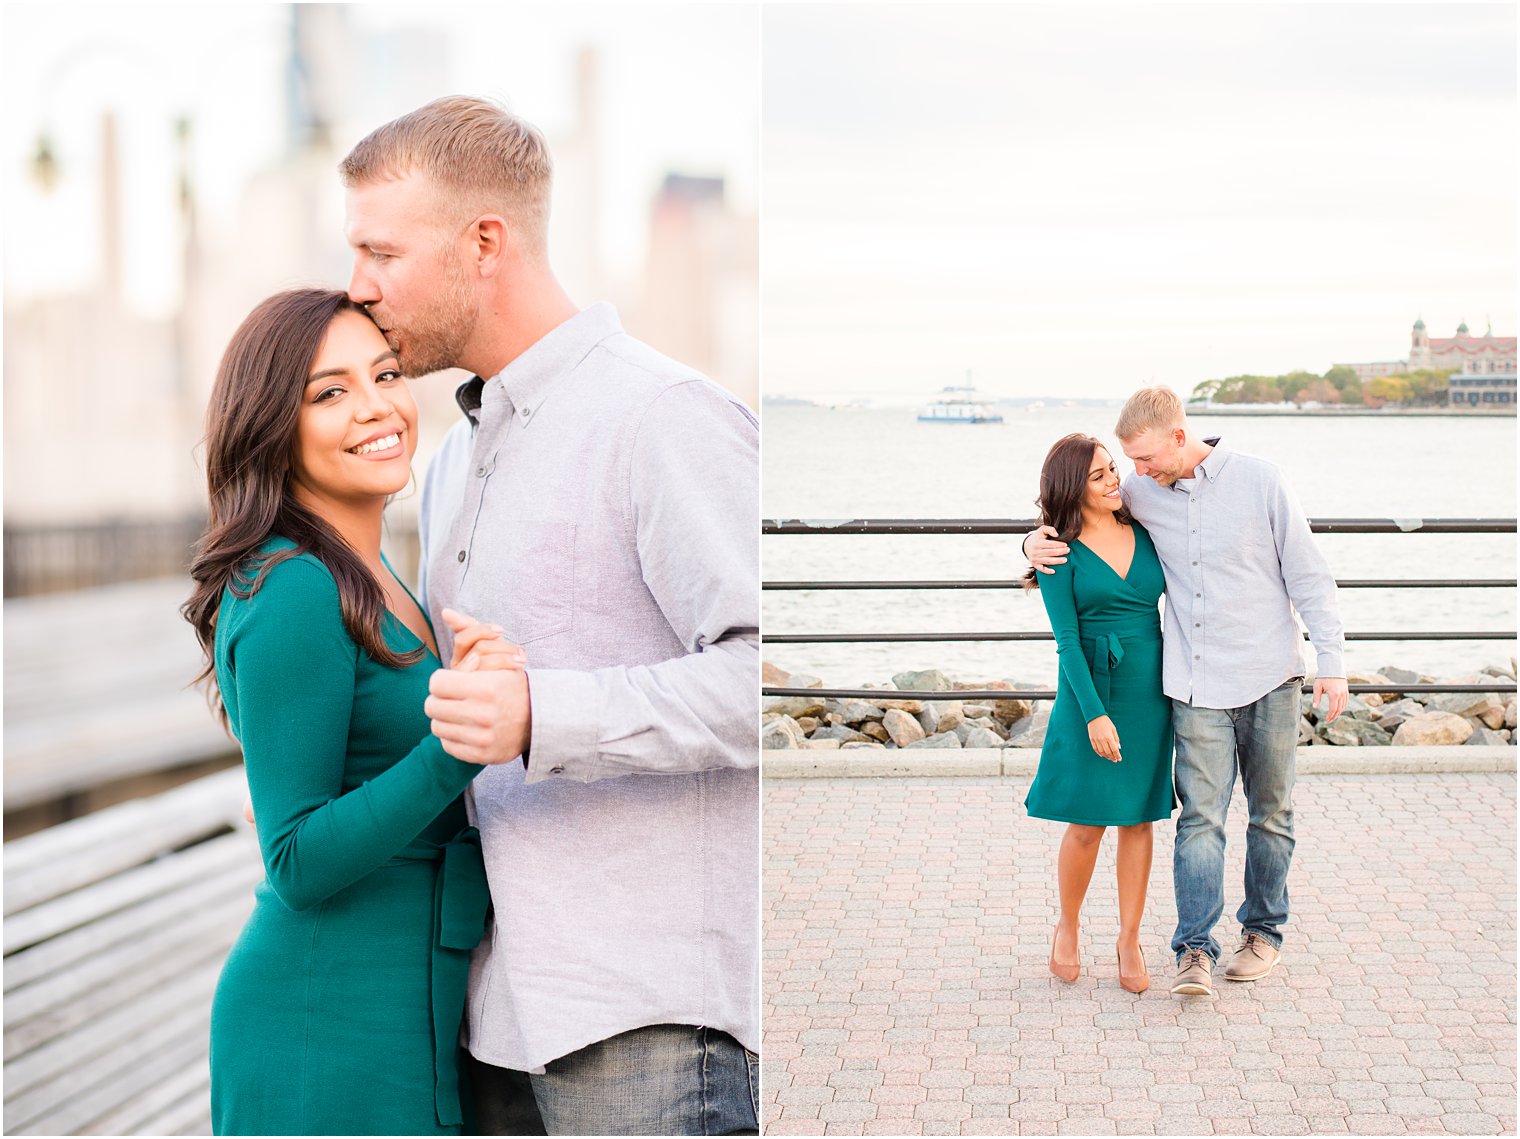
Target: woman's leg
{"x":1079,"y":854}
{"x":1134,"y":873}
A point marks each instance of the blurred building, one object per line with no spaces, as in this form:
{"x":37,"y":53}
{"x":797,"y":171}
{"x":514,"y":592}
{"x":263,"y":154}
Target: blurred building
{"x":104,"y":405}
{"x":1472,"y":355}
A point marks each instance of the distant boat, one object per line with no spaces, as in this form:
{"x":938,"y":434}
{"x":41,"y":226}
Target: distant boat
{"x":959,"y":405}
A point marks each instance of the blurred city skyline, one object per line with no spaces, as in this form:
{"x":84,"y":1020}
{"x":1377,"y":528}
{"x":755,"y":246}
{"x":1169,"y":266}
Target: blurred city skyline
{"x":168,"y":167}
{"x":1076,"y":200}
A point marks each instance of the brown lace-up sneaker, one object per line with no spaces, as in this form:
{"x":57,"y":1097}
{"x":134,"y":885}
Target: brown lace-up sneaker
{"x":1194,"y":975}
{"x":1252,"y":960}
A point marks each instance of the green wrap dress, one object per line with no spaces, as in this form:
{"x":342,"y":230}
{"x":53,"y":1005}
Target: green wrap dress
{"x":1108,"y":643}
{"x":339,"y":1007}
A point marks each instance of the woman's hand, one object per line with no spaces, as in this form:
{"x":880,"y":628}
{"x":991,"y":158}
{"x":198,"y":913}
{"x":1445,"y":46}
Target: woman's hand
{"x":1105,"y":738}
{"x":479,"y":647}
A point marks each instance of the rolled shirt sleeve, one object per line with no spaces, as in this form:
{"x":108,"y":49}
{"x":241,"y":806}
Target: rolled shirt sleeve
{"x":693,"y":486}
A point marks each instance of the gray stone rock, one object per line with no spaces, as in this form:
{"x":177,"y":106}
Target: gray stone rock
{"x":1502,"y":671}
{"x":928,"y":719}
{"x":840,"y":732}
{"x":795,"y":706}
{"x":1476,"y":705}
{"x":1356,"y":708}
{"x":1400,"y":675}
{"x":981,"y":737}
{"x":1350,"y":732}
{"x":1487,"y":736}
{"x":874,"y":729}
{"x":1390,"y":716}
{"x":976,"y":711}
{"x":951,"y":713}
{"x":1030,"y":731}
{"x":942,"y":739}
{"x":1509,"y":713}
{"x":850,"y":746}
{"x":808,"y":724}
{"x":902,"y":728}
{"x":825,"y":744}
{"x":928,"y":680}
{"x":803,"y":680}
{"x":1432,"y":729}
{"x":1305,"y":731}
{"x":857,"y":711}
{"x":782,"y":733}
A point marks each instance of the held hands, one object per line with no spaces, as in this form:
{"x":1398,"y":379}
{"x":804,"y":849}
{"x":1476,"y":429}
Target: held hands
{"x":1335,"y":692}
{"x":1105,"y":738}
{"x":1043,"y":551}
{"x":480,"y":705}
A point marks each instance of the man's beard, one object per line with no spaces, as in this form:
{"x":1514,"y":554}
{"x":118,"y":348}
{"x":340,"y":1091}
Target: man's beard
{"x":436,"y":337}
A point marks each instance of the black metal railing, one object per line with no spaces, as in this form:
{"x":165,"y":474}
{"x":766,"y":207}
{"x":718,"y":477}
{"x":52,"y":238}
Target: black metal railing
{"x":941,"y":526}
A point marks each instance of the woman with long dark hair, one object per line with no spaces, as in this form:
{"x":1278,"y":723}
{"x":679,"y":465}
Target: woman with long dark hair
{"x":338,"y":1009}
{"x":1107,"y":758}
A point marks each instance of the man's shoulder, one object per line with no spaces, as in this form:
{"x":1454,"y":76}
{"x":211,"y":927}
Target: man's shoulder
{"x":1254,"y":467}
{"x":646,"y":377}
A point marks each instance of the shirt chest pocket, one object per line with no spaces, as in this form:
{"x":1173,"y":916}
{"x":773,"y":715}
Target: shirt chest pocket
{"x":525,"y":570}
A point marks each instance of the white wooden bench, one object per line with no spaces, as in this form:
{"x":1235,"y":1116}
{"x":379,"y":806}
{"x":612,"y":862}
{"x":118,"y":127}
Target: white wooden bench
{"x":116,"y":926}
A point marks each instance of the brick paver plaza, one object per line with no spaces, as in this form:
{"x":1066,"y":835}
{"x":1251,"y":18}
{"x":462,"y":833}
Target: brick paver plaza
{"x":908,"y":923}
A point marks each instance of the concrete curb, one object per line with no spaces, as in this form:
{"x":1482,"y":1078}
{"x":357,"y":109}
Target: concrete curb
{"x":951,"y":762}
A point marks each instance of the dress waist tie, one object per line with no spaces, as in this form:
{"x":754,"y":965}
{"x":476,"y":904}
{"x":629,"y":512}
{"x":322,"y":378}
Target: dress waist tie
{"x":461,"y":898}
{"x":1108,"y":653}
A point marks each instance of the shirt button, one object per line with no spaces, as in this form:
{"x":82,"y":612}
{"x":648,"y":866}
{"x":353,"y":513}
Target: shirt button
{"x":1195,"y":563}
{"x":480,"y":472}
{"x":1197,"y":595}
{"x":556,"y":771}
{"x":1197,"y":624}
{"x":461,"y":555}
{"x":527,"y":411}
{"x":1196,"y":657}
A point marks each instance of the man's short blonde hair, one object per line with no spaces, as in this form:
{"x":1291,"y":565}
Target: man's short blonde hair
{"x":1158,"y":407}
{"x":486,"y":159}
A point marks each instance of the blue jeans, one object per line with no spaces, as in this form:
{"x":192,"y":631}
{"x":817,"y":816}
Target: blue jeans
{"x":1261,"y":738}
{"x":665,"y":1079}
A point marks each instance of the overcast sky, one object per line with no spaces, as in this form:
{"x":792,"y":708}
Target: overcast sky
{"x":1078,"y":199}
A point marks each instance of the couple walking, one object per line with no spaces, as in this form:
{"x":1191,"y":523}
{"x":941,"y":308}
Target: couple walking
{"x":1220,"y":534}
{"x":552,"y":843}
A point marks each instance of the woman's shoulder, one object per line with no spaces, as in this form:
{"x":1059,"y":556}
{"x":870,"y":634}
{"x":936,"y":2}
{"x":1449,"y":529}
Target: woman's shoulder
{"x":282,"y":579}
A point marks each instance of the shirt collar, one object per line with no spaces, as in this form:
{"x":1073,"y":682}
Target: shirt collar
{"x":527,"y":380}
{"x":1214,"y":462}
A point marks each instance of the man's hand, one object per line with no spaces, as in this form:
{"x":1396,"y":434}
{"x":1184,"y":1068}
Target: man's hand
{"x":1334,"y":689}
{"x":481,"y":717}
{"x":1043,"y":551}
{"x":481,"y":646}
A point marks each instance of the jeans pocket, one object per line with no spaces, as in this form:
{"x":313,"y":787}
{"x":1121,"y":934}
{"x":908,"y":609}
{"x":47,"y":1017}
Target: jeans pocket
{"x":752,"y":1067}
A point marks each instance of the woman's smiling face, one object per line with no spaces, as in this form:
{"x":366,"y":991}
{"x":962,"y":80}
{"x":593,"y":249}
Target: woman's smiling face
{"x":1102,"y":484}
{"x":357,"y":430}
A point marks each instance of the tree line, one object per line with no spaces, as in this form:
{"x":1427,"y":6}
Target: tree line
{"x":1420,"y":387}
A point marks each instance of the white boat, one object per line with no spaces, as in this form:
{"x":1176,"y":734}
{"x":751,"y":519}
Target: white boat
{"x":959,"y":405}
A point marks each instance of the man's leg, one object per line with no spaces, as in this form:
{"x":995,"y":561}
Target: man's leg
{"x":666,"y":1079}
{"x":1204,"y":773}
{"x":1268,"y":735}
{"x":504,"y":1103}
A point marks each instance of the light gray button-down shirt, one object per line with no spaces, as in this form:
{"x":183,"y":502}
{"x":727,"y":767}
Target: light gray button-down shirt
{"x":1239,"y":558}
{"x":600,"y":505}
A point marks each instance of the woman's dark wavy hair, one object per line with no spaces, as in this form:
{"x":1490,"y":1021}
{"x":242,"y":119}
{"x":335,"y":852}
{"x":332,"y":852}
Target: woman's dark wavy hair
{"x":250,"y":444}
{"x":1063,"y":482}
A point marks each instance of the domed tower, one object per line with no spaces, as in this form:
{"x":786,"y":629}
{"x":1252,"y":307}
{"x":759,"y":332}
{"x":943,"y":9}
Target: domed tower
{"x":1462,"y":329}
{"x":1419,"y":346}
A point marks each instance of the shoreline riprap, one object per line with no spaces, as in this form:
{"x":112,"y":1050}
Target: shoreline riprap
{"x":887,"y":722}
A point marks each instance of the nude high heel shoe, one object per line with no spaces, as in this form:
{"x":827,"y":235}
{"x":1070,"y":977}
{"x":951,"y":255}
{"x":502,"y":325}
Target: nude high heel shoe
{"x":1067,"y":973}
{"x":1134,"y":982}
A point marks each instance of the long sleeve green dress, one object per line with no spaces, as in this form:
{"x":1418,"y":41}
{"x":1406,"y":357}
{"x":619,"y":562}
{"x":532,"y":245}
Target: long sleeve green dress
{"x":339,"y":1006}
{"x":1108,"y":642}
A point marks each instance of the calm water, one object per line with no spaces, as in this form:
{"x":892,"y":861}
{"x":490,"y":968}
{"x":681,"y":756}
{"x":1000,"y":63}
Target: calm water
{"x":883,"y":464}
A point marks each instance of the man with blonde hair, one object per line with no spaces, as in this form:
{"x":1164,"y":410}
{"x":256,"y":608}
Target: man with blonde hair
{"x":598,"y":503}
{"x":1239,"y":559}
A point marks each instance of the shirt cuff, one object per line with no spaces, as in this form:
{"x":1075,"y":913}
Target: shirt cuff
{"x":567,"y":717}
{"x":1329,"y":665}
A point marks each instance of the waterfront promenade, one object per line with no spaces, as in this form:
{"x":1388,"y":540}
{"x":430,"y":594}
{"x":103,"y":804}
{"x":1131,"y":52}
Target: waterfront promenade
{"x":907,"y":925}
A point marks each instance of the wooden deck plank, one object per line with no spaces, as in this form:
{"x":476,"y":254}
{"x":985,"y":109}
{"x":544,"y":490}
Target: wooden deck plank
{"x":133,"y":886}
